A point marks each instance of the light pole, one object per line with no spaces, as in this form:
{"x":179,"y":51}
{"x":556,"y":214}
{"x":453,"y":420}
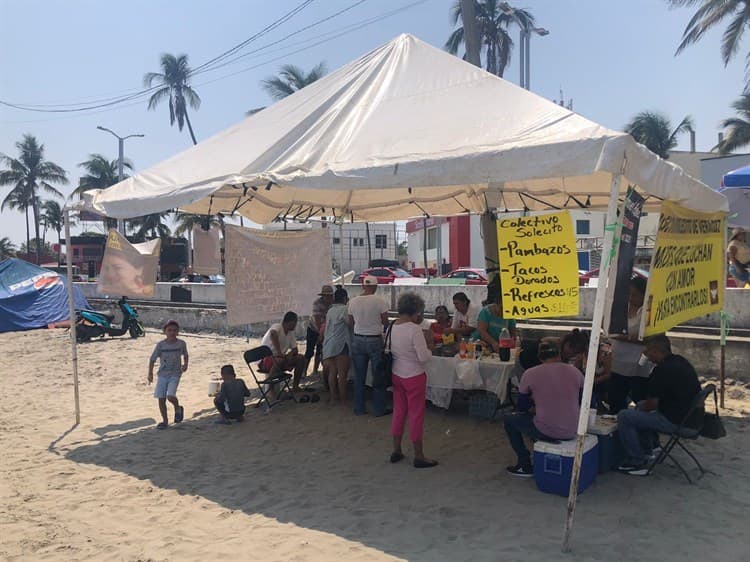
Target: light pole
{"x":120,"y":163}
{"x":525,"y":41}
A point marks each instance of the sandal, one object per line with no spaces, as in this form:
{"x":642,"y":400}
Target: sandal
{"x":305,"y":399}
{"x":423,"y":463}
{"x":161,"y":425}
{"x":396,"y":456}
{"x":179,"y":415}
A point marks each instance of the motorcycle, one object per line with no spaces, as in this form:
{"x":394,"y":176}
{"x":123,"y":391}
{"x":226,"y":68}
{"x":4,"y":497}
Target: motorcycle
{"x":98,"y":323}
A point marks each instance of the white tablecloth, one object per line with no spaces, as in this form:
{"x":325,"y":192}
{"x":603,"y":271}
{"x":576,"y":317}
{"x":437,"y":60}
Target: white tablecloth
{"x":444,"y":374}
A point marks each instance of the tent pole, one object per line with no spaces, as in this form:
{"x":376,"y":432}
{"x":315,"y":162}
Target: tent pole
{"x":723,"y":324}
{"x":72,"y":313}
{"x":596,"y":327}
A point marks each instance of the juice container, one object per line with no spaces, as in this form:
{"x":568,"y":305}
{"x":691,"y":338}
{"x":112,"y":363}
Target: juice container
{"x":462,"y":349}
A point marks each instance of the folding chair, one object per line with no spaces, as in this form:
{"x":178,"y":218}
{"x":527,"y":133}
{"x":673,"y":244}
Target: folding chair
{"x":282,"y":379}
{"x":684,"y":432}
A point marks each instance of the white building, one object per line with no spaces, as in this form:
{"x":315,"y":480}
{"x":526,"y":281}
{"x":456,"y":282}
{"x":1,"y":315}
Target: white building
{"x":349,"y":245}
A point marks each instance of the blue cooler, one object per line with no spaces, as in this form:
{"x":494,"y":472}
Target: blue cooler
{"x":611,"y":452}
{"x":553,"y":465}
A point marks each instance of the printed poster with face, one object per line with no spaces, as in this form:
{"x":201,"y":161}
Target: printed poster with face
{"x":129,"y":269}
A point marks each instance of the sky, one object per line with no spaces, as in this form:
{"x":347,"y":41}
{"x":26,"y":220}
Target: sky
{"x":613,"y":58}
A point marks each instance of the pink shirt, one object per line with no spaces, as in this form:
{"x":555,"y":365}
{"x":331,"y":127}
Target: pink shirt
{"x":409,"y":349}
{"x":554,"y":388}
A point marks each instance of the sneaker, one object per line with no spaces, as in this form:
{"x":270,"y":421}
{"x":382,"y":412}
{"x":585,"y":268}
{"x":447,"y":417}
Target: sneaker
{"x":655,"y":452}
{"x":526,"y":471}
{"x":634,"y":468}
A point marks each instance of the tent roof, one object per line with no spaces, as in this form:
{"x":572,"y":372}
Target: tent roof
{"x":403,"y":131}
{"x":737,"y":178}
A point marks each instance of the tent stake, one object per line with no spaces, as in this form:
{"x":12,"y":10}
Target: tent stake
{"x":72,"y":312}
{"x":588,"y":385}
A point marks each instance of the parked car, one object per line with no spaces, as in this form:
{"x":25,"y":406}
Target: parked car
{"x":591,"y":278}
{"x":385,"y":275}
{"x":472,"y":276}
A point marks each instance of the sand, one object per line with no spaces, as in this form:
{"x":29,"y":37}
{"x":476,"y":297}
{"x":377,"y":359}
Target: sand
{"x":309,"y":481}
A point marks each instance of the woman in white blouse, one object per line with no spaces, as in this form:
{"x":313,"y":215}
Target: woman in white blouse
{"x":410,"y":353}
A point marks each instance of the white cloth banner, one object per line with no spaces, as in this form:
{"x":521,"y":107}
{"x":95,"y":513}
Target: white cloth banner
{"x":129,"y":269}
{"x":206,"y":251}
{"x":270,"y":273}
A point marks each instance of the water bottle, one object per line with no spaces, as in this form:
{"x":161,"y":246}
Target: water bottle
{"x":506,"y":344}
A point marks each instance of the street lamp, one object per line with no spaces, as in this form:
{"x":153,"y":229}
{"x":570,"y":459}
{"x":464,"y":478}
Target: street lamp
{"x":120,"y":162}
{"x":525,"y":41}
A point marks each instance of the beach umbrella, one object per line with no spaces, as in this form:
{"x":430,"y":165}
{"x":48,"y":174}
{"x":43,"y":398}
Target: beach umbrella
{"x":736,"y":188}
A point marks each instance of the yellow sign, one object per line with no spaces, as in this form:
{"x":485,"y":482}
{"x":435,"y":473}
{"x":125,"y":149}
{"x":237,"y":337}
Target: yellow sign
{"x":687,"y":268}
{"x":538,"y":266}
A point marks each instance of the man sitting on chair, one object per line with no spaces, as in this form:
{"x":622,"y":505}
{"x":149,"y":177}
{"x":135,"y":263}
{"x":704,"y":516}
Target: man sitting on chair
{"x":280,"y":339}
{"x":671,"y":389}
{"x":554,"y":387}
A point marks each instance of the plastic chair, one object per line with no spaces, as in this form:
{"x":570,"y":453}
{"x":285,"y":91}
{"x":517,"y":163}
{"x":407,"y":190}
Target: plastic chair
{"x":282,"y":379}
{"x":685,"y":432}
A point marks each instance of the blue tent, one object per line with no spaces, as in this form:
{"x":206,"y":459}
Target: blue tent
{"x":33,"y":297}
{"x":736,"y":188}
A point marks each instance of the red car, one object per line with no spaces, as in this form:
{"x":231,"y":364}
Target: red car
{"x":470,"y":275}
{"x":385,"y":275}
{"x":591,"y":278}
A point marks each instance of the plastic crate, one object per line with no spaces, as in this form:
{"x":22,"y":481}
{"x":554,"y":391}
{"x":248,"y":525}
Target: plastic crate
{"x":484,"y":406}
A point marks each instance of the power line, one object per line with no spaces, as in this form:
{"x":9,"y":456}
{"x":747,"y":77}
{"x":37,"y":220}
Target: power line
{"x":308,"y":43}
{"x":98,"y":104}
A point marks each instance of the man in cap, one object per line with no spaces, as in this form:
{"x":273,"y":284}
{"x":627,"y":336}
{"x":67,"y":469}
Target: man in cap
{"x":315,"y":328}
{"x":553,"y":390}
{"x":368,"y":314}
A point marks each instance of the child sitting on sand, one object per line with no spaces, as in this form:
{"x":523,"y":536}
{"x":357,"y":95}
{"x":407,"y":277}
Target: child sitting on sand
{"x":231,"y":398}
{"x":169,"y":351}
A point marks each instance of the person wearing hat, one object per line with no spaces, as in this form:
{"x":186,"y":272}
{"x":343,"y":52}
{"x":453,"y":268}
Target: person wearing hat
{"x":368,"y":315}
{"x":553,"y":390}
{"x":738,"y":253}
{"x":316,"y":326}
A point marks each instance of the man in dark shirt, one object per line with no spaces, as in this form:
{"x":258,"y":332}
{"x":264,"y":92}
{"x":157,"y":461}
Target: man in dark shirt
{"x":230,"y":402}
{"x":671,"y":389}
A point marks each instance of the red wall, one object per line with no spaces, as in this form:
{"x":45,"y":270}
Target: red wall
{"x":459,"y":235}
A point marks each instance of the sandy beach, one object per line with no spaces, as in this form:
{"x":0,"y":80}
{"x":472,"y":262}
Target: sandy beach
{"x":310,"y":481}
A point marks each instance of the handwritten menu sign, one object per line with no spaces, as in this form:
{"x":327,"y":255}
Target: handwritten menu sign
{"x":538,"y":266}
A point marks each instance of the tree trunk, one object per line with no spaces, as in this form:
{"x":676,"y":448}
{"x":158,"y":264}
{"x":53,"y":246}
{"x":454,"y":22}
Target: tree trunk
{"x":190,"y":126}
{"x":471,"y":32}
{"x":59,"y":248}
{"x":35,"y":207}
{"x":28,"y":237}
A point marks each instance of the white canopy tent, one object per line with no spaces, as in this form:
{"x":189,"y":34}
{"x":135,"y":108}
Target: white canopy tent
{"x":409,"y":130}
{"x":403,"y":131}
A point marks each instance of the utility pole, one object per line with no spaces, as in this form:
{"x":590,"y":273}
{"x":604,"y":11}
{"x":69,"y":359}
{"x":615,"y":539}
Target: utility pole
{"x":120,"y":164}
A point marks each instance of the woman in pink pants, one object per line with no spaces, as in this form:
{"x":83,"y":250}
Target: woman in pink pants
{"x":410,"y":354}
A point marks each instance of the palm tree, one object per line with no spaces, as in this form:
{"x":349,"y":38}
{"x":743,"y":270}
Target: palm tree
{"x":30,"y":173}
{"x":18,"y":200}
{"x":150,"y":225}
{"x":709,"y":14}
{"x":290,"y":79}
{"x":7,"y":248}
{"x":738,"y":134}
{"x":493,"y":19}
{"x":185,"y":222}
{"x":100,"y":173}
{"x":174,"y":83}
{"x":54,"y":218}
{"x":652,"y":129}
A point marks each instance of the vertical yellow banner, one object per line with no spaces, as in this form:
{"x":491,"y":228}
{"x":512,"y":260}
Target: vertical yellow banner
{"x":538,"y":266}
{"x":687,"y":269}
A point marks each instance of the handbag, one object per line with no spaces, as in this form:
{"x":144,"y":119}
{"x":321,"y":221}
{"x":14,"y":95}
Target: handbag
{"x":382,"y":374}
{"x":713,"y":428}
